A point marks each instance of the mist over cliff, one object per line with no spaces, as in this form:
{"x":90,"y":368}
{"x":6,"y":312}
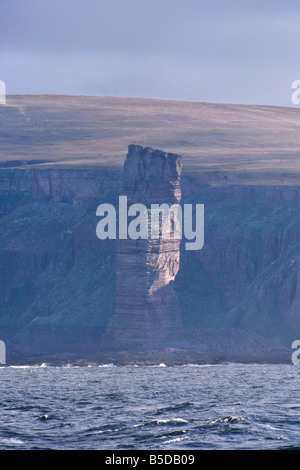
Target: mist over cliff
{"x":238,"y":297}
{"x":61,"y":157}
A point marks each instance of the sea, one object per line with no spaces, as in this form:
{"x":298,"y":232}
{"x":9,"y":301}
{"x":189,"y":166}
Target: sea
{"x":209,"y":407}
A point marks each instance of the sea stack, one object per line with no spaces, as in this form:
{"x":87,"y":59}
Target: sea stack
{"x":147,"y":312}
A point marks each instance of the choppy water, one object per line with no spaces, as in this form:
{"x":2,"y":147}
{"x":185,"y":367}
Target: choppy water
{"x":229,"y":406}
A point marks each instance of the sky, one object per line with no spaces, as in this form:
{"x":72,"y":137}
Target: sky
{"x":218,"y":51}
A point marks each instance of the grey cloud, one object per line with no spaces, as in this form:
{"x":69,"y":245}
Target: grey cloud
{"x":202,"y":50}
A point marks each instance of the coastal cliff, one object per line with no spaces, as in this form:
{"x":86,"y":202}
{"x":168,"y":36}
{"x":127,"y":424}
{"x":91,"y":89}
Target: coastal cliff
{"x":238,"y":297}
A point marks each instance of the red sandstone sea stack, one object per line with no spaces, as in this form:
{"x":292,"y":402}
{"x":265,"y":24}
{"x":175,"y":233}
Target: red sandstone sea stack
{"x":147,"y":309}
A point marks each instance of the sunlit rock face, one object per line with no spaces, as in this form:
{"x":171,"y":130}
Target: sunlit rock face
{"x":146,"y":303}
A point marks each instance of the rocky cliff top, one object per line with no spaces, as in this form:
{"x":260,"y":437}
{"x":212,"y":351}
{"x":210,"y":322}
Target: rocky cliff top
{"x":147,"y":163}
{"x":152,"y":175}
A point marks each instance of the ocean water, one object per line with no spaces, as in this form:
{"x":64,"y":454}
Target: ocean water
{"x":228,"y":406}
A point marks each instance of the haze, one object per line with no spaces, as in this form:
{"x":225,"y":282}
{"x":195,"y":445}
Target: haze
{"x":238,"y":51}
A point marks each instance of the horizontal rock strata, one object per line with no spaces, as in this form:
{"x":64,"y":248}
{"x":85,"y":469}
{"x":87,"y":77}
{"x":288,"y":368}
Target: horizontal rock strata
{"x":146,"y":303}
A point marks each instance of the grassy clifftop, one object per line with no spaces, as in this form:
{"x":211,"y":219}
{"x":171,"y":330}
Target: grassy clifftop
{"x":219,"y":143}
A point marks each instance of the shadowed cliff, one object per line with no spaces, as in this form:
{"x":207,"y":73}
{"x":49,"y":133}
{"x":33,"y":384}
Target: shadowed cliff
{"x":238,"y":297}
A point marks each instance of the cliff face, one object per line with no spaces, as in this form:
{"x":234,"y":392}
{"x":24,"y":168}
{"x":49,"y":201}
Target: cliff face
{"x":57,"y":280}
{"x":60,"y":285}
{"x":146,"y":303}
{"x":247,"y":272}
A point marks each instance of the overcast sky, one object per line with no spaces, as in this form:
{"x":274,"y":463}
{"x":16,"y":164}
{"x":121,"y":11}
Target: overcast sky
{"x":221,"y":51}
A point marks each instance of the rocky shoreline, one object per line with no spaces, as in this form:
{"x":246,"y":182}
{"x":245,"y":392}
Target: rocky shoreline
{"x":215,"y":347}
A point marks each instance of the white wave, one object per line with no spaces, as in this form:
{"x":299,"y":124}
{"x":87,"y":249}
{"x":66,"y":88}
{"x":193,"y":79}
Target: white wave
{"x":176,"y":439}
{"x":202,"y":365}
{"x":12,"y":440}
{"x":268,"y":426}
{"x":171,"y":420}
{"x":23,"y":367}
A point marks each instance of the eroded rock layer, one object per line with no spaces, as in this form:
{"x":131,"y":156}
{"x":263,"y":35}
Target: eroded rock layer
{"x":146,"y":303}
